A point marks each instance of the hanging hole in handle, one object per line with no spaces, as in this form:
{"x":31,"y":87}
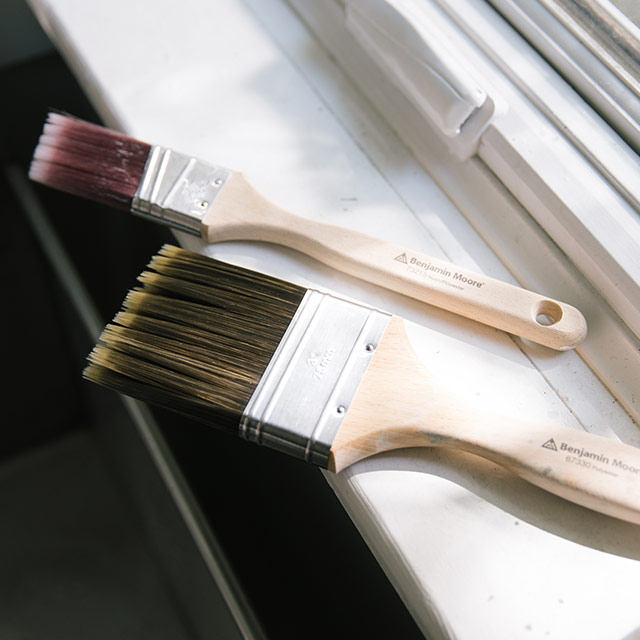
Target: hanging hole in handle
{"x":548,"y":313}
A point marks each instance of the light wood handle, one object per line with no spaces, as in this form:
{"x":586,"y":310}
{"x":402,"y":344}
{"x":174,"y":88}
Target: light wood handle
{"x":241,"y":213}
{"x":595,"y":472}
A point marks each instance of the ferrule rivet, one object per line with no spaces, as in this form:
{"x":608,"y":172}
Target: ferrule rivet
{"x":218,"y":182}
{"x":370,"y":347}
{"x":341,"y":409}
{"x":204,"y":204}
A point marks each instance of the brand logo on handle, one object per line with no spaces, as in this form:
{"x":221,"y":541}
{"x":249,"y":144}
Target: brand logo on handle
{"x":550,"y":444}
{"x":438,"y":271}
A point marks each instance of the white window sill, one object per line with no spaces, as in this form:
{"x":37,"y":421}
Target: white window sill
{"x":534,"y":168}
{"x":474,"y":551}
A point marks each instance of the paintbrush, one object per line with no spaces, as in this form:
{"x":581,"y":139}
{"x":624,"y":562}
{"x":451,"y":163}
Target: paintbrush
{"x":220,"y":205}
{"x":324,"y":379}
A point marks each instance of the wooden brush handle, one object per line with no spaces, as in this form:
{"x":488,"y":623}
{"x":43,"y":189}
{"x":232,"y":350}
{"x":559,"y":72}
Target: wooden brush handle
{"x":241,"y":213}
{"x":398,"y":405}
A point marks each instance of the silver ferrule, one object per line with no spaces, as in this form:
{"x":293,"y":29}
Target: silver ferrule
{"x":307,"y":388}
{"x":177,"y":190}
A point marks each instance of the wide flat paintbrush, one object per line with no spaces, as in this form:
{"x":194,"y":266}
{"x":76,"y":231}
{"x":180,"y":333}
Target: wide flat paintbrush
{"x":325,"y":380}
{"x":220,"y":205}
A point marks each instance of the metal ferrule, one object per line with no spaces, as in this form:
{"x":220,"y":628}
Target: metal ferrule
{"x":305,"y":392}
{"x":177,"y":190}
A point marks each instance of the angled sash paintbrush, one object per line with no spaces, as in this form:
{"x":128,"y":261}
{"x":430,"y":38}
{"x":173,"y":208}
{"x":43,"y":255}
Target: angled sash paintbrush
{"x":326,"y":380}
{"x":220,"y":205}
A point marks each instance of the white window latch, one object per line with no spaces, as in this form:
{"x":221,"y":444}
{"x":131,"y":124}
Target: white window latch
{"x":407,"y":40}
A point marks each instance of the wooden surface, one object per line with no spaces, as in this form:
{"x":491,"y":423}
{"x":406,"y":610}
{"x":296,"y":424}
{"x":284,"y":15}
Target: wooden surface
{"x":240,"y":213}
{"x":400,"y":405}
{"x":474,"y":551}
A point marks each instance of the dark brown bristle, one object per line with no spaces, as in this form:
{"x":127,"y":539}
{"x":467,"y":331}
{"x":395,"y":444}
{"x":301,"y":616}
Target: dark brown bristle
{"x":196,"y":337}
{"x":88,"y":160}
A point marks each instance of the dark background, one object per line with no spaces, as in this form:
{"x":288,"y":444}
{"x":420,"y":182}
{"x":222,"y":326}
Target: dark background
{"x":83,"y":551}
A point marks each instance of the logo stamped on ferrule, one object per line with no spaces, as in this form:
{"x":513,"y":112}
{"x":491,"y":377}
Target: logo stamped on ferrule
{"x":304,"y":394}
{"x":319,"y":362}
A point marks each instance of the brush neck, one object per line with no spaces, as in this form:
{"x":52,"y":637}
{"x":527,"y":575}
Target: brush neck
{"x":391,"y":409}
{"x":241,"y":213}
{"x":400,"y":405}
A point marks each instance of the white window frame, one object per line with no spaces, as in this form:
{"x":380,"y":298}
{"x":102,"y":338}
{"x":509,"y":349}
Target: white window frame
{"x":582,"y":187}
{"x":602,"y":69}
{"x":559,"y":221}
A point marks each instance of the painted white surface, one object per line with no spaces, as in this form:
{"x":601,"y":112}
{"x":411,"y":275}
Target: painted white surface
{"x":534,"y":260}
{"x":475,"y":552}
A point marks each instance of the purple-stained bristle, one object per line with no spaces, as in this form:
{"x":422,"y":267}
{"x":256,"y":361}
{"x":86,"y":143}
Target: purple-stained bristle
{"x":89,"y":161}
